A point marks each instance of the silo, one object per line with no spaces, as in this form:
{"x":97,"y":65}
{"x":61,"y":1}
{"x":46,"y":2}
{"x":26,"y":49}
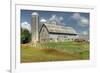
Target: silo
{"x":35,"y":27}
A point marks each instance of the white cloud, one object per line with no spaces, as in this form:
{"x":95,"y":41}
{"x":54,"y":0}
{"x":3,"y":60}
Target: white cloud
{"x":43,"y":20}
{"x":56,"y":18}
{"x":26,"y":25}
{"x":85,"y":33}
{"x":61,"y":18}
{"x":83,"y":21}
{"x":53,"y":17}
{"x":76,"y":16}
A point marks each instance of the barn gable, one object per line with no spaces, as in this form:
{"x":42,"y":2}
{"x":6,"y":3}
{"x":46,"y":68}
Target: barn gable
{"x":44,"y":35}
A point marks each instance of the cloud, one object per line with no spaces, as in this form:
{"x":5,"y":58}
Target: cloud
{"x":61,"y":18}
{"x":85,"y":33}
{"x":53,"y":17}
{"x":57,"y":19}
{"x":43,"y":20}
{"x":83,"y":21}
{"x":26,"y":25}
{"x":76,"y":16}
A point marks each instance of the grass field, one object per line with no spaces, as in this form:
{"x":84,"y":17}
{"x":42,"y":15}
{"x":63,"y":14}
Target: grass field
{"x":54,"y":51}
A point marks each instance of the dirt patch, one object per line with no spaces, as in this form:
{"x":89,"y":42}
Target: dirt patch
{"x":56,"y":52}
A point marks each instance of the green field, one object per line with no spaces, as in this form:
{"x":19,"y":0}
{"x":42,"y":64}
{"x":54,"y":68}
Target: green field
{"x":54,"y":51}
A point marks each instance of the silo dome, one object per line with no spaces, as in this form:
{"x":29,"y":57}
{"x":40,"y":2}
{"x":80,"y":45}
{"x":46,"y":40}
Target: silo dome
{"x":35,"y":13}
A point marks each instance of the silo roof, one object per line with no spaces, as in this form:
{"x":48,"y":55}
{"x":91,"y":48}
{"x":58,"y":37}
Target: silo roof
{"x":35,"y":13}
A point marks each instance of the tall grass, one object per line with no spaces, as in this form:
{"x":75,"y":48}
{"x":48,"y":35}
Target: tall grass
{"x":54,"y":51}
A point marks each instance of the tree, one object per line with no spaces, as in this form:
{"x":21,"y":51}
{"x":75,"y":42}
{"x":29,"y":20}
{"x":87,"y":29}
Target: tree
{"x":25,"y":36}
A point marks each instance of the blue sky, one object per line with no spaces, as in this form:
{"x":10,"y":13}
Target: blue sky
{"x":78,"y":20}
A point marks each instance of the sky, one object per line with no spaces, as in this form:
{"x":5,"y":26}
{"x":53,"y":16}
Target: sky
{"x":79,"y":21}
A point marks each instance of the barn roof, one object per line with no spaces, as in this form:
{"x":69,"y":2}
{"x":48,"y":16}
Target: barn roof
{"x":53,"y":28}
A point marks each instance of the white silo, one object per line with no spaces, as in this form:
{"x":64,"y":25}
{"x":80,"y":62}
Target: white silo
{"x":35,"y":27}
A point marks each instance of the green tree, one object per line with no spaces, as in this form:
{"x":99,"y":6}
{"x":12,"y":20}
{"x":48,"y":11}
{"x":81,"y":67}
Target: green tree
{"x":25,"y":36}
